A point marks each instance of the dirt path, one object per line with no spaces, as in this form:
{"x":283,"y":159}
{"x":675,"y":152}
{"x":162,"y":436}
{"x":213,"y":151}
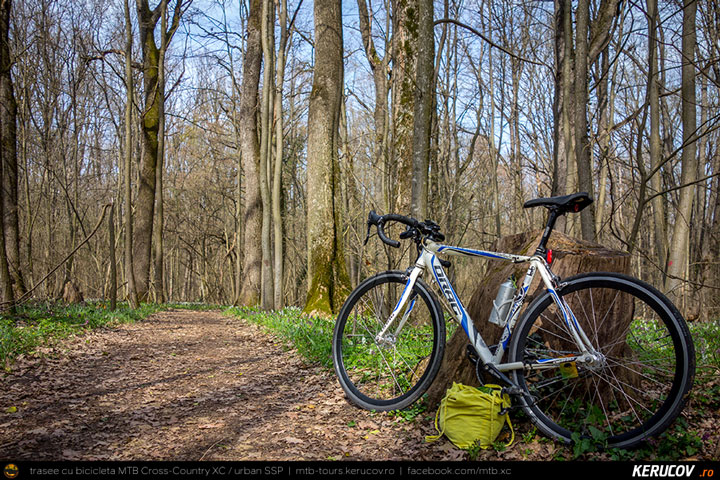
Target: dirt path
{"x":187,"y":385}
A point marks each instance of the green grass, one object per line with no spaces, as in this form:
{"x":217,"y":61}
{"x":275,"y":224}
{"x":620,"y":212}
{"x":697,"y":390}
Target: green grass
{"x":41,"y":324}
{"x":385,"y":369}
{"x":311,"y":336}
{"x":706,"y":336}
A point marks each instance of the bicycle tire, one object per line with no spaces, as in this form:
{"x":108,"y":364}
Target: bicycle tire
{"x":647,"y":368}
{"x":393,"y":374}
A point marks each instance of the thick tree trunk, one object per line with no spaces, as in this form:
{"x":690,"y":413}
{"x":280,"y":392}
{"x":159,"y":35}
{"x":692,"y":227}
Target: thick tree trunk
{"x":582,"y":141}
{"x":572,"y":256}
{"x":152,"y":119}
{"x":8,"y":153}
{"x":404,"y":52}
{"x":6,"y":148}
{"x":678,"y":258}
{"x":145,"y":203}
{"x":250,"y":153}
{"x":158,"y":251}
{"x":328,"y":280}
{"x":563,"y":134}
{"x":570,"y":103}
{"x":424,"y":93}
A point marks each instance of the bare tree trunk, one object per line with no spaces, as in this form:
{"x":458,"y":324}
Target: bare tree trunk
{"x":677,"y":262}
{"x":113,"y":262}
{"x":379,"y":67}
{"x":404,"y":52}
{"x":129,"y":267}
{"x":494,"y":152}
{"x":658,"y":207}
{"x":250,"y":153}
{"x":603,"y":135}
{"x":145,"y":202}
{"x":562,"y":102}
{"x":570,"y":103}
{"x":328,"y":280}
{"x":7,"y":149}
{"x":154,"y":99}
{"x":268,"y":48}
{"x":159,"y":283}
{"x":424,"y":93}
{"x":278,"y":255}
{"x":8,"y":154}
{"x":30,"y":216}
{"x":582,"y":141}
{"x":6,"y":291}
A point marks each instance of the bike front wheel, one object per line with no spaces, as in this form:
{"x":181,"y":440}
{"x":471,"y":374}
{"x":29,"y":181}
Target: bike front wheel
{"x":638,"y":382}
{"x":388,"y":371}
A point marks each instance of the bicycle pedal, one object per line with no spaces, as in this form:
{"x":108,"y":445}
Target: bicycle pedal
{"x":512,"y":390}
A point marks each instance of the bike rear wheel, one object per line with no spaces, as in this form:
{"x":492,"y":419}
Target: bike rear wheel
{"x":637,"y":385}
{"x":393,"y":371}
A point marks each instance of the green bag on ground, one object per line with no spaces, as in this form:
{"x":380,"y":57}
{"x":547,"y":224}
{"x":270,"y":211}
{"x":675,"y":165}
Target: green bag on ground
{"x":473,"y":415}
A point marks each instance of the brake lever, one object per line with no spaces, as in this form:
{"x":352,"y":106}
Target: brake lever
{"x":408,"y":233}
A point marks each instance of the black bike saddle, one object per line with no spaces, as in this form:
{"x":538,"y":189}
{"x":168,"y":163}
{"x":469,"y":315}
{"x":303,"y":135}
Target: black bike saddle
{"x":564,"y":204}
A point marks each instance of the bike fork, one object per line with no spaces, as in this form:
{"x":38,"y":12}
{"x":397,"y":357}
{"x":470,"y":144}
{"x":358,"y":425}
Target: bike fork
{"x":408,"y":294}
{"x":588,"y":353}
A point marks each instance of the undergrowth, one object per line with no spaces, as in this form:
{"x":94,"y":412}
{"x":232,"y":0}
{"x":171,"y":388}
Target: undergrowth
{"x":39,"y":324}
{"x":310,"y":336}
{"x":36,"y":325}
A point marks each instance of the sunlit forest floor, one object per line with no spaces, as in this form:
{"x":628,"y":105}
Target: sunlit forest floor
{"x":211,"y":385}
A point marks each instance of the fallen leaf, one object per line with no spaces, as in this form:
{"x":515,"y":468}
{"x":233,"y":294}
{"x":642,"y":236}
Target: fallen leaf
{"x":70,"y":454}
{"x":211,"y":425}
{"x":367,"y":425}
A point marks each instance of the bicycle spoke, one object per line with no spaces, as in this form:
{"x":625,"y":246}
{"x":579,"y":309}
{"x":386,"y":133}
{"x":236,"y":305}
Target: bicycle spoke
{"x":388,"y":366}
{"x":628,"y":379}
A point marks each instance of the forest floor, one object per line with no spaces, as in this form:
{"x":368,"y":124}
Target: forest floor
{"x":200,"y":385}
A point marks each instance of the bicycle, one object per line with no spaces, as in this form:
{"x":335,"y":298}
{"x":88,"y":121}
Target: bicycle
{"x":573,"y":378}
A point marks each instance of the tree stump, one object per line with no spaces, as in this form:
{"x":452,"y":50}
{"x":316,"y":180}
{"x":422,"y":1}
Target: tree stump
{"x":571,"y":256}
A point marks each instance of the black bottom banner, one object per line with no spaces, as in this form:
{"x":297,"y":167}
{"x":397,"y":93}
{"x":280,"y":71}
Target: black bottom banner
{"x":485,"y":470}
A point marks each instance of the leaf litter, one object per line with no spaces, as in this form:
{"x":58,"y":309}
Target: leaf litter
{"x":186,"y":385}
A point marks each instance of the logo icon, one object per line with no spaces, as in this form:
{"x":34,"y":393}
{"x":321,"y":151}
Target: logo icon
{"x":11,"y":470}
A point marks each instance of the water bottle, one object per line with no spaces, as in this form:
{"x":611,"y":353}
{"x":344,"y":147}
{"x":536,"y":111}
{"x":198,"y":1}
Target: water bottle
{"x":502,"y":303}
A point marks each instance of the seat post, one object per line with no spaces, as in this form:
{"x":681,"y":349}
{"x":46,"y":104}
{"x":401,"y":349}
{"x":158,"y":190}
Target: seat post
{"x":553,"y":214}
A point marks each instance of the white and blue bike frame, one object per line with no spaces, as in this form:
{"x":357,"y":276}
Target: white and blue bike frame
{"x":429,"y":260}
